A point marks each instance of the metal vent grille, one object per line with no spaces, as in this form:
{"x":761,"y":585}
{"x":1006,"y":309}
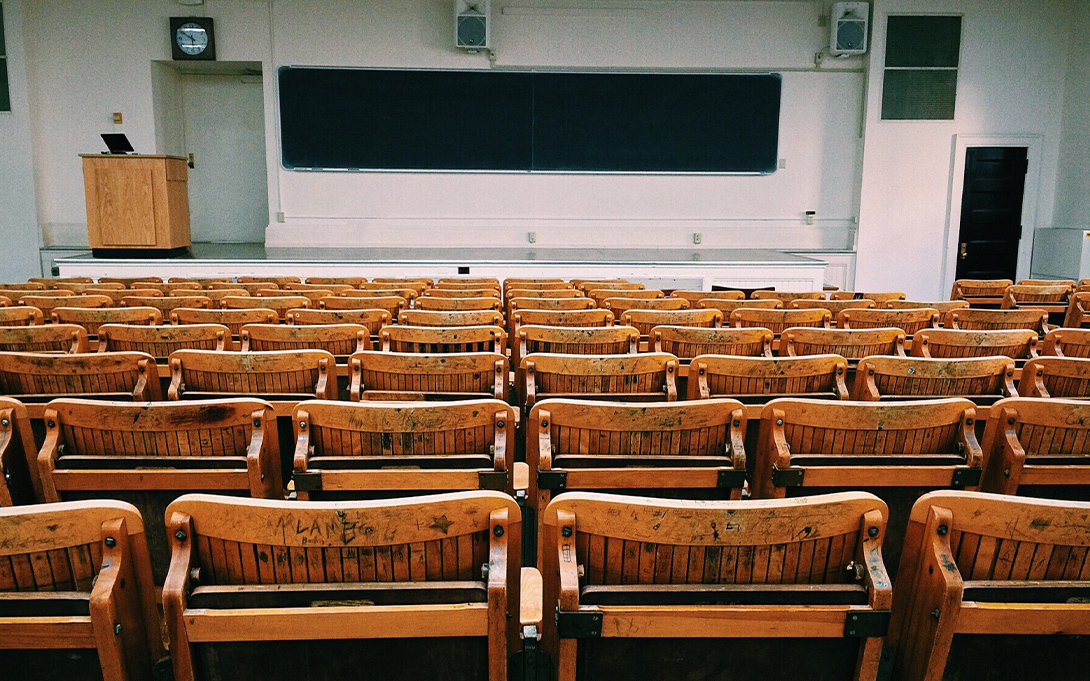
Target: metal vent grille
{"x":921,"y":67}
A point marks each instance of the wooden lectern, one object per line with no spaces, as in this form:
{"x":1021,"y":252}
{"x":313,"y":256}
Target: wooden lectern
{"x":137,"y":206}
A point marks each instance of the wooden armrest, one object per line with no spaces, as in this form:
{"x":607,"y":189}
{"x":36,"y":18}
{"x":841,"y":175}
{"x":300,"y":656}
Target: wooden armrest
{"x":530,"y":606}
{"x":522,"y":482}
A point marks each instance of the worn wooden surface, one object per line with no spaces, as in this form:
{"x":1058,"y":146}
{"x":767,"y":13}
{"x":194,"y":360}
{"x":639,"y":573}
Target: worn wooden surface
{"x":722,"y":376}
{"x":1035,"y":442}
{"x":850,"y":344}
{"x":336,"y":339}
{"x":894,"y":377}
{"x":834,"y":307}
{"x":878,"y":296}
{"x":130,"y":374}
{"x":278,"y":372}
{"x":450,"y":318}
{"x":1017,"y":344}
{"x":689,"y":342}
{"x":232,"y":319}
{"x":908,"y":320}
{"x":648,"y":376}
{"x":645,"y":320}
{"x":22,"y":315}
{"x":435,"y":340}
{"x":942,"y":306}
{"x":777,"y":321}
{"x":976,"y":319}
{"x":52,"y":338}
{"x":1055,"y":377}
{"x":279,"y":303}
{"x":161,"y":341}
{"x":455,"y":304}
{"x":464,"y":374}
{"x":92,"y":320}
{"x":1065,"y":343}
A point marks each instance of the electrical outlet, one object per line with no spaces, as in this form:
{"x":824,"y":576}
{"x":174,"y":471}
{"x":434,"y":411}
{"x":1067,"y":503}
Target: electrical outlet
{"x":697,"y":237}
{"x":531,"y":237}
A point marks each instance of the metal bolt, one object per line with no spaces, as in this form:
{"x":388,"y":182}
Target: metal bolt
{"x":4,"y":422}
{"x":942,"y":530}
{"x":497,"y":530}
{"x":1010,"y":421}
{"x":566,"y":532}
{"x":544,"y":424}
{"x":257,"y":423}
{"x":500,"y":424}
{"x":302,"y":425}
{"x":180,"y":535}
{"x":51,"y":424}
{"x":737,"y":423}
{"x":117,"y":628}
{"x":872,"y":532}
{"x":935,"y":613}
{"x":779,"y":422}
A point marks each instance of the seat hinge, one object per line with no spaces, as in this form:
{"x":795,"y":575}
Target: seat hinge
{"x":788,"y":477}
{"x":308,"y":481}
{"x":553,"y":480}
{"x":578,"y":624}
{"x":867,"y":624}
{"x":965,"y":477}
{"x":730,"y":478}
{"x":493,"y":480}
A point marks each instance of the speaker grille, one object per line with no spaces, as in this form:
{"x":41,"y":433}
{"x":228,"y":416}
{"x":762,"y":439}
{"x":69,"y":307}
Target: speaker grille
{"x":472,"y":30}
{"x":851,"y":34}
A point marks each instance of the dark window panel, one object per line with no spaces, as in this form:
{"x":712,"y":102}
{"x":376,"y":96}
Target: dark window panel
{"x":923,"y":41}
{"x":5,"y":99}
{"x":919,"y":95}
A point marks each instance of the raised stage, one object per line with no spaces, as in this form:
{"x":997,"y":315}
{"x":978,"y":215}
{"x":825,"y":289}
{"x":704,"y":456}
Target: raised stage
{"x":658,"y":268}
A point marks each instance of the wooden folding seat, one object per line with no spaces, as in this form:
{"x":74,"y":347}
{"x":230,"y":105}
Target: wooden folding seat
{"x":32,"y":377}
{"x":940,"y":306}
{"x":92,"y":319}
{"x":619,"y":306}
{"x":835,"y":307}
{"x":467,"y":282}
{"x":1055,"y":377}
{"x":354,"y":450}
{"x":778,"y":321}
{"x":787,"y":296}
{"x":727,"y":306}
{"x":694,"y":297}
{"x":599,"y":296}
{"x":392,"y":305}
{"x":451,"y":318}
{"x":280,"y":281}
{"x":416,"y":286}
{"x":22,"y":315}
{"x":333,"y":288}
{"x":1054,"y":298}
{"x":1078,"y":310}
{"x":686,"y":342}
{"x":433,"y":580}
{"x":16,"y":297}
{"x":95,"y":288}
{"x":19,"y":483}
{"x":511,"y":285}
{"x":336,"y":339}
{"x":458,"y":304}
{"x":203,"y":281}
{"x":272,"y":375}
{"x":76,"y":597}
{"x":129,"y":281}
{"x":52,"y":338}
{"x":214,"y":295}
{"x":695,"y":449}
{"x":755,"y":380}
{"x":852,"y":345}
{"x":372,"y":320}
{"x":250,"y":288}
{"x":982,"y":292}
{"x":567,"y":318}
{"x":995,"y":588}
{"x":895,"y":450}
{"x":168,"y":304}
{"x":407,"y":294}
{"x":23,"y":286}
{"x":1016,"y":344}
{"x":415,"y":282}
{"x":547,"y":293}
{"x":588,"y":285}
{"x":54,"y":282}
{"x":440,"y":340}
{"x":463,"y":293}
{"x":117,"y":296}
{"x":656,"y":588}
{"x":877,"y":297}
{"x":535,"y":281}
{"x":1067,"y":343}
{"x":149,"y":454}
{"x":47,"y":304}
{"x":353,"y":282}
{"x":281,"y":304}
{"x":515,"y":306}
{"x":647,"y":377}
{"x":313,"y":295}
{"x":1047,"y":282}
{"x":977,"y":319}
{"x":410,"y":376}
{"x":171,"y":287}
{"x":645,"y":320}
{"x":908,"y":320}
{"x":612,"y":340}
{"x":161,"y":341}
{"x":981,"y":379}
{"x":232,"y":319}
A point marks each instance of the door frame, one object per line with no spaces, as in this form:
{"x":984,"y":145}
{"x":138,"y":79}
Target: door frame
{"x":961,"y":144}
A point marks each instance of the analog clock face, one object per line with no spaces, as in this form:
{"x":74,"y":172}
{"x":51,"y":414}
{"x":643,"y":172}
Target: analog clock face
{"x":191,"y":38}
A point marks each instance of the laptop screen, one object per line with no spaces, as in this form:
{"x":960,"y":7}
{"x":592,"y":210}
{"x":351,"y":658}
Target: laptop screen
{"x":117,"y":143}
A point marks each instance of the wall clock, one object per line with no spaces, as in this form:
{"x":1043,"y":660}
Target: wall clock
{"x":192,"y":38}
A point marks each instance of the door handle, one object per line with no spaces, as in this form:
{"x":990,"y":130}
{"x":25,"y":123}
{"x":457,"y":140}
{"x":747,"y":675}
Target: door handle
{"x":190,"y":161}
{"x":964,"y":250}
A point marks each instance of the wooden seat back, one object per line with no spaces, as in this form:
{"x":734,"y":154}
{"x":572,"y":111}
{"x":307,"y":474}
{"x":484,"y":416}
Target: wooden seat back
{"x":1016,"y":344}
{"x":646,"y":377}
{"x":980,"y":291}
{"x":587,"y":285}
{"x":467,"y":282}
{"x":280,"y":374}
{"x":19,"y":483}
{"x":645,"y":320}
{"x":1047,"y":282}
{"x":16,"y":296}
{"x":406,"y":376}
{"x":940,"y":306}
{"x":333,"y":288}
{"x":421,"y":284}
{"x":599,"y":295}
{"x":566,"y":318}
{"x":393,"y":305}
{"x":1008,"y":568}
{"x":78,"y":580}
{"x":372,"y":320}
{"x":280,"y":281}
{"x":203,"y":281}
{"x":727,"y":306}
{"x":353,"y":282}
{"x":1067,"y":342}
{"x":51,"y":338}
{"x":49,"y":303}
{"x":877,"y":297}
{"x":1052,"y":297}
{"x":336,"y":339}
{"x":93,"y":319}
{"x":786,"y":297}
{"x":983,"y":378}
{"x":130,"y":282}
{"x":118,"y":296}
{"x":550,"y":292}
{"x":171,"y":287}
{"x":519,"y":304}
{"x":22,"y":286}
{"x":686,"y":342}
{"x":108,"y":375}
{"x":349,"y":448}
{"x":835,"y":307}
{"x":759,"y":379}
{"x":232,"y":319}
{"x":439,"y":340}
{"x":21,"y":316}
{"x":850,"y":344}
{"x":908,"y":320}
{"x":1055,"y":377}
{"x":281,"y":304}
{"x":427,"y":302}
{"x":56,"y":282}
{"x":680,"y":569}
{"x":694,"y":297}
{"x":313,"y":295}
{"x":250,"y":287}
{"x":612,"y":340}
{"x":450,"y":318}
{"x":978,"y":319}
{"x":167,"y":304}
{"x":621,"y":305}
{"x":463,"y":292}
{"x":214,"y":295}
{"x":777,"y":321}
{"x":161,"y":341}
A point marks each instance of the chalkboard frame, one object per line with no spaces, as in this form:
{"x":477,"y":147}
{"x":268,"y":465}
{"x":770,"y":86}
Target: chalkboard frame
{"x":771,"y":159}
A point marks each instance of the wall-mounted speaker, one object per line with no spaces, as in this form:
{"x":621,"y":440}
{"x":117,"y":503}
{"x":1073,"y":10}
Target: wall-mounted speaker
{"x":850,"y":23}
{"x":472,"y":24}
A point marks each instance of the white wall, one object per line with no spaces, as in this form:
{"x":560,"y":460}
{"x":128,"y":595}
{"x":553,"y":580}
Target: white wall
{"x":1007,"y":85}
{"x":1073,"y":179}
{"x":18,"y":222}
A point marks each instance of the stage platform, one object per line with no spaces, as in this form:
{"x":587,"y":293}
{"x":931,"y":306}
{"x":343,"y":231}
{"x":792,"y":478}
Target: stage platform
{"x":658,"y":268}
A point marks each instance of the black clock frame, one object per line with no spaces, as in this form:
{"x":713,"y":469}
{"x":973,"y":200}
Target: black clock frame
{"x":207,"y":24}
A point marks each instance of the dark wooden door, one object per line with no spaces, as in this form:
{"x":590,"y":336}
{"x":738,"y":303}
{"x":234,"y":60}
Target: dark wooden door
{"x":991,"y":212}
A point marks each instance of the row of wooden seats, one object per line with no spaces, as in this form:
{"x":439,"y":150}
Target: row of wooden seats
{"x":800,"y":587}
